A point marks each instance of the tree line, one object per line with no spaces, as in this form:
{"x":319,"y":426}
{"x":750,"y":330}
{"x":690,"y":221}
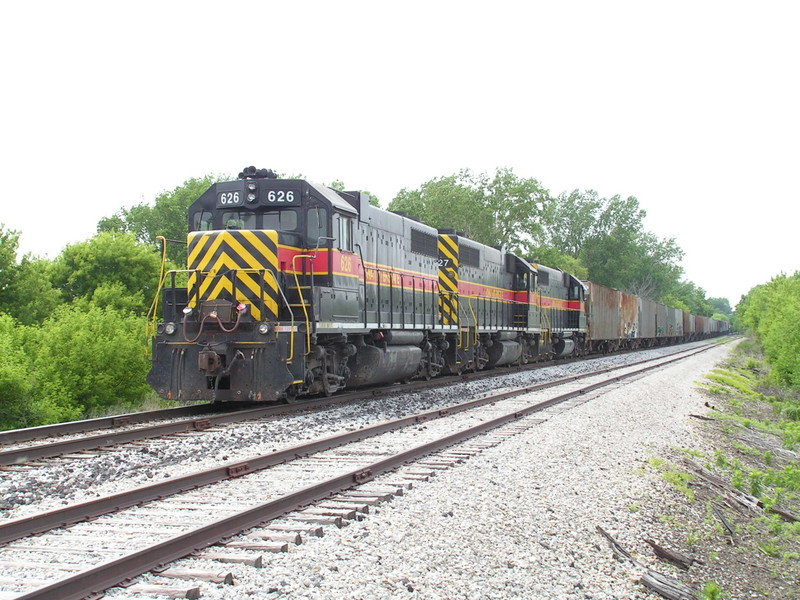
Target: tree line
{"x":599,"y":239}
{"x":72,"y":329}
{"x":772,"y":312}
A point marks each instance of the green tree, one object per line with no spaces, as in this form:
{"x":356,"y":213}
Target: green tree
{"x":569,"y":220}
{"x":721,"y":305}
{"x":516,"y":206}
{"x":15,"y":378}
{"x":25,"y":290}
{"x":688,"y":296}
{"x":551,"y":257}
{"x":503,"y":209}
{"x":772,"y":311}
{"x":31,"y":297}
{"x":9,"y":242}
{"x":108,"y":262}
{"x":446,"y":202}
{"x":167,"y":217}
{"x":617,"y":250}
{"x":607,"y":239}
{"x":88,"y":358}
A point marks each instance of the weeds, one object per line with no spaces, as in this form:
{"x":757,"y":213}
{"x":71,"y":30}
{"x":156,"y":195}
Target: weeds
{"x":749,"y":406}
{"x":675,"y":477}
{"x":711,"y":591}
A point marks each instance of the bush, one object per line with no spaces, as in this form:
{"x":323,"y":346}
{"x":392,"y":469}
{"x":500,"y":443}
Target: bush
{"x":15,"y":384}
{"x":772,"y":312}
{"x":88,"y":358}
{"x":21,"y":405}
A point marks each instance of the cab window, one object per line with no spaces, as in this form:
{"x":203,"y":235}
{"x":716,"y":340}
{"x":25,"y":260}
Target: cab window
{"x":316,"y":224}
{"x":345,"y":234}
{"x":238,"y":220}
{"x":280,"y":220}
{"x":202,"y":221}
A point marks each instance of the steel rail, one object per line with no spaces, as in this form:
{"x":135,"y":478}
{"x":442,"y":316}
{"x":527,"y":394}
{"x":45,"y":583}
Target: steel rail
{"x":29,"y":434}
{"x":92,"y":582}
{"x":69,"y":515}
{"x":56,"y":448}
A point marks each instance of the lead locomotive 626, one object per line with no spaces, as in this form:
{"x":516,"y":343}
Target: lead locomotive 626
{"x":294,"y":288}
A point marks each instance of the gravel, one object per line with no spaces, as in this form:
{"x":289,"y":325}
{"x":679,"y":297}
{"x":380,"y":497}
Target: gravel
{"x":516,"y":521}
{"x":51,"y":485}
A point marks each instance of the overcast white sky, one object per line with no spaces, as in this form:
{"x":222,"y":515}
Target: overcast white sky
{"x":691,"y":107}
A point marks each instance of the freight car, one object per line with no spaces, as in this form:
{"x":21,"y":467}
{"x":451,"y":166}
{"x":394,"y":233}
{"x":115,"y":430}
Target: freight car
{"x":293,"y":288}
{"x":624,"y":321}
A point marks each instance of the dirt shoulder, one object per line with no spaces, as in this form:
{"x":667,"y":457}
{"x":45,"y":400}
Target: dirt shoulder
{"x":730,"y":499}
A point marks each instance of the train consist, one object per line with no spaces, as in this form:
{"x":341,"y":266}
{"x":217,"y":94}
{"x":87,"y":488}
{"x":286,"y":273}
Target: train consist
{"x":293,"y":288}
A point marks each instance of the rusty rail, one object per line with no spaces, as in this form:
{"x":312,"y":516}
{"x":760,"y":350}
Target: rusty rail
{"x":95,"y":580}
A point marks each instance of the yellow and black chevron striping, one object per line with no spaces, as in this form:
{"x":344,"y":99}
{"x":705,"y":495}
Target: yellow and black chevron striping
{"x":448,"y":279}
{"x":242,"y":259}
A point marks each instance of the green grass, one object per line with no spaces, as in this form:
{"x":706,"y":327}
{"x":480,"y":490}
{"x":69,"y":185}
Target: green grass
{"x":675,"y":477}
{"x":711,"y":591}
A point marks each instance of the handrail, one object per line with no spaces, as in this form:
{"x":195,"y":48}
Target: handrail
{"x":364,"y":281}
{"x":549,"y":331}
{"x":393,"y":276}
{"x":152,"y":313}
{"x":302,"y":299}
{"x":474,"y":319}
{"x":263,"y":272}
{"x":461,"y":343}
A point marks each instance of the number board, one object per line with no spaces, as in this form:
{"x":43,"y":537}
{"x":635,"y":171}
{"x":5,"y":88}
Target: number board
{"x":267,"y":193}
{"x":232,"y":198}
{"x":281,"y":193}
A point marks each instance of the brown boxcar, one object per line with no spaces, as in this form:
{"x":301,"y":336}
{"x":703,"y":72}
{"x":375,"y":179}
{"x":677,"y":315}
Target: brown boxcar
{"x":647,"y":318}
{"x":688,"y":324}
{"x":662,"y":325}
{"x":603,"y":315}
{"x":629,"y":315}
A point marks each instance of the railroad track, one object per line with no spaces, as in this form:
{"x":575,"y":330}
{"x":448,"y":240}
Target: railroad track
{"x":30,"y":434}
{"x":72,"y":438}
{"x":301,"y":487}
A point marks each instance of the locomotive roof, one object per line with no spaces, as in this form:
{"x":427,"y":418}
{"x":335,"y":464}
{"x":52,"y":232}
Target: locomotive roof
{"x":334,"y":198}
{"x":210,"y":198}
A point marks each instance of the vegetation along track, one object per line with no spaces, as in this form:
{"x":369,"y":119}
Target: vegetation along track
{"x":164,"y":530}
{"x":76,"y":436}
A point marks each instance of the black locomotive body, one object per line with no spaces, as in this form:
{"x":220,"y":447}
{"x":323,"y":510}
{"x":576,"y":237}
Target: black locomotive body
{"x":293,"y":288}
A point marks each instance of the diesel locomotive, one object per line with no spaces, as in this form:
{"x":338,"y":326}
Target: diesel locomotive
{"x":293,"y":288}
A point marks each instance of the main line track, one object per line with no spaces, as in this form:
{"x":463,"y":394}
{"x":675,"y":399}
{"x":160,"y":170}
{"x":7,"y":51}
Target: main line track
{"x":122,"y":429}
{"x":94,"y":580}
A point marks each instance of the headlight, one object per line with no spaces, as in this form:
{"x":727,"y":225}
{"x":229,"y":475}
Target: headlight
{"x":252,"y":192}
{"x":263,"y":328}
{"x":169,"y":328}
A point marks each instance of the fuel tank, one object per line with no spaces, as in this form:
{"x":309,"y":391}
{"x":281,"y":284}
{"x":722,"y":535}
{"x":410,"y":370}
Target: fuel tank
{"x":373,"y":364}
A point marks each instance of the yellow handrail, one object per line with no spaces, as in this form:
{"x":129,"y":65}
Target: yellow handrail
{"x":302,"y":300}
{"x":474,"y":319}
{"x":548,"y":336}
{"x":249,"y":270}
{"x":152,"y":314}
{"x":285,"y":301}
